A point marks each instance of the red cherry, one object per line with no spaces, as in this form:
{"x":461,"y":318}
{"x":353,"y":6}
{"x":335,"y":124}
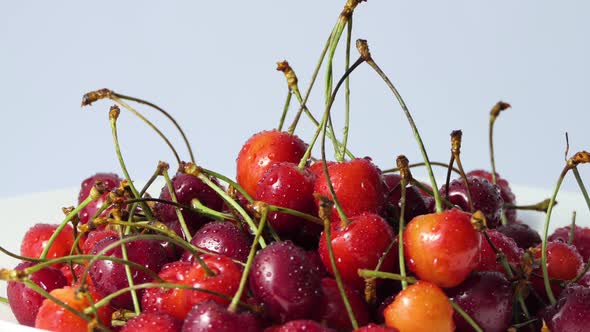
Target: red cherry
{"x":359,"y":245}
{"x":35,"y":241}
{"x":332,"y":309}
{"x":376,"y":328}
{"x":261,"y":151}
{"x":109,"y":180}
{"x":210,"y":316}
{"x":150,"y":322}
{"x":318,"y":167}
{"x":285,"y":185}
{"x":442,"y":248}
{"x":420,"y":307}
{"x":25,"y":302}
{"x":54,"y":317}
{"x":563,"y":263}
{"x":300,"y":326}
{"x":505,"y":191}
{"x":571,"y":313}
{"x":358,"y":185}
{"x":581,"y":239}
{"x":488,"y":259}
{"x":415,"y":203}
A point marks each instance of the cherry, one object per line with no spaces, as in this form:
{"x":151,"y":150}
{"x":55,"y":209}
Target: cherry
{"x":178,"y":302}
{"x":318,"y":167}
{"x":358,"y":185}
{"x":110,"y":181}
{"x":300,"y":326}
{"x":285,"y":185}
{"x":187,"y":187}
{"x":505,"y":190}
{"x":420,"y":307}
{"x":150,"y":322}
{"x":35,"y":241}
{"x":488,"y":259}
{"x":359,"y":245}
{"x":487,"y":298}
{"x":376,"y":328}
{"x":221,"y":237}
{"x":486,"y":198}
{"x":563,"y":263}
{"x":261,"y":151}
{"x":333,"y":311}
{"x":585,"y":280}
{"x":415,"y":203}
{"x":314,"y":259}
{"x":53,"y":317}
{"x":581,"y":239}
{"x":571,"y":313}
{"x":442,"y":248}
{"x":25,"y":302}
{"x":285,"y":282}
{"x":109,"y":277}
{"x":210,"y":316}
{"x":524,"y":236}
{"x":95,"y":236}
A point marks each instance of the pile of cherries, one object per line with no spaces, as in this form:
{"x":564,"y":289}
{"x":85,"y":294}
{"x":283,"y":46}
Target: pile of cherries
{"x":297,"y":243}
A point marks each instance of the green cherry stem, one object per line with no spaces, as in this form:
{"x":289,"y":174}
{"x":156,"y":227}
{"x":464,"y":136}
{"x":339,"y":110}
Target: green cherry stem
{"x":385,"y":275}
{"x":179,"y":215}
{"x":95,"y":194}
{"x":233,"y":306}
{"x":494,"y":113}
{"x":430,"y":192}
{"x":3,"y":300}
{"x":570,"y":239}
{"x":402,"y":163}
{"x":128,"y":273}
{"x":161,"y":110}
{"x":539,"y":207}
{"x":229,"y":181}
{"x":581,"y":185}
{"x":437,"y":198}
{"x":19,"y":257}
{"x":285,"y":110}
{"x":113,"y":116}
{"x":150,"y":124}
{"x":195,"y":170}
{"x":346,"y":91}
{"x":456,"y":137}
{"x":414,"y":165}
{"x":325,"y":210}
{"x":145,"y":188}
{"x":465,"y":316}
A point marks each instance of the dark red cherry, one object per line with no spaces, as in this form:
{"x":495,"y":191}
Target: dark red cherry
{"x":188,"y":187}
{"x":109,"y":277}
{"x":376,"y":328}
{"x":524,"y":236}
{"x":487,"y":298}
{"x":358,"y":185}
{"x":581,"y":239}
{"x":150,"y":322}
{"x":486,"y":197}
{"x":223,"y":238}
{"x":261,"y":151}
{"x":505,"y":190}
{"x":300,"y":326}
{"x":415,"y":203}
{"x":488,"y":260}
{"x":563,"y":263}
{"x":571,"y":313}
{"x":25,"y":302}
{"x":95,"y":236}
{"x":585,"y":280}
{"x":359,"y":245}
{"x":210,"y":316}
{"x":284,"y":185}
{"x":285,"y":282}
{"x":109,"y":180}
{"x":333,"y":311}
{"x":318,"y":167}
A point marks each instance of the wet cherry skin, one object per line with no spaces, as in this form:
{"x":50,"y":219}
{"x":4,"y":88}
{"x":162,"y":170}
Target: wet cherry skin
{"x":442,"y":248}
{"x":581,"y":239}
{"x":571,"y":313}
{"x":35,"y":241}
{"x":563,"y":263}
{"x":376,"y":328}
{"x":150,"y":322}
{"x":524,"y":236}
{"x":505,"y":190}
{"x":210,"y":316}
{"x":109,"y":180}
{"x":332,"y":309}
{"x":415,"y":203}
{"x":223,"y":238}
{"x":488,"y":259}
{"x":300,"y":326}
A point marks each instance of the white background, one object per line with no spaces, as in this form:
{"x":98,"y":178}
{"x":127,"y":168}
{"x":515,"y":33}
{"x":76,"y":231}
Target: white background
{"x":212,"y":64}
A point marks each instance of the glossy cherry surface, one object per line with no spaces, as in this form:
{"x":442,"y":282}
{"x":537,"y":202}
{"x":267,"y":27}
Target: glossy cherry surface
{"x":486,"y":198}
{"x":223,"y":238}
{"x":109,"y":180}
{"x":571,"y":313}
{"x":25,"y":302}
{"x":581,"y":239}
{"x":285,"y":282}
{"x":416,"y":204}
{"x":332,"y":309}
{"x":210,"y":316}
{"x":421,"y":307}
{"x":442,"y":248}
{"x":359,"y":245}
{"x":261,"y":151}
{"x":563,"y":263}
{"x":149,"y":322}
{"x":358,"y":185}
{"x":284,"y":185}
{"x":487,"y":298}
{"x":505,"y":190}
{"x":489,"y":259}
{"x":36,"y":238}
{"x":524,"y":236}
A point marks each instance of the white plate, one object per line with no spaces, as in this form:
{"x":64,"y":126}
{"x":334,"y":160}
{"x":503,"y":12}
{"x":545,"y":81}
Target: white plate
{"x":20,"y":213}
